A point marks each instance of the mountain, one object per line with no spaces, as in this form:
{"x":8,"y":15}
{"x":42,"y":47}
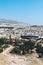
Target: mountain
{"x":8,"y":21}
{"x":12,"y":22}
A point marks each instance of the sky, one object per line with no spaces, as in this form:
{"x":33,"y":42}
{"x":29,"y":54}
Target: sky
{"x":27,"y":11}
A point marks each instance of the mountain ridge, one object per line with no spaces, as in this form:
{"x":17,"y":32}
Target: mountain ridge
{"x":8,"y":21}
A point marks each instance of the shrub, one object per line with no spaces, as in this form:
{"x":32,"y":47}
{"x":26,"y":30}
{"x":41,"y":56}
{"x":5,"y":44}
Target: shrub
{"x":24,"y":48}
{"x":1,"y":49}
{"x":39,"y":50}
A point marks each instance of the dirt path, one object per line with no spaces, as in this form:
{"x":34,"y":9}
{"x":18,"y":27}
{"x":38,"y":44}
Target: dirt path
{"x":7,"y":50}
{"x":7,"y":59}
{"x":16,"y":59}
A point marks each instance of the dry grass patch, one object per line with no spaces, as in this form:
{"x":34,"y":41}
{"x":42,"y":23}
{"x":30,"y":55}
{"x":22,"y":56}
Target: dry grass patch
{"x":3,"y":60}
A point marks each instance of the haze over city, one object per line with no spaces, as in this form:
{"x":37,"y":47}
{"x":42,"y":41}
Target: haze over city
{"x":27,"y":11}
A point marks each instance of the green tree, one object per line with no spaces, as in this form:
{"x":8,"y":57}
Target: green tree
{"x":29,"y":45}
{"x":39,"y":50}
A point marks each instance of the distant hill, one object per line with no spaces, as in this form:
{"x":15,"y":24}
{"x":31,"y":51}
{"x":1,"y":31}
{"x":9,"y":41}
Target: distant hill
{"x":12,"y":22}
{"x":7,"y":21}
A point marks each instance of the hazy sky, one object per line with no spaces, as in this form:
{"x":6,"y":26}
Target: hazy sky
{"x":28,"y":11}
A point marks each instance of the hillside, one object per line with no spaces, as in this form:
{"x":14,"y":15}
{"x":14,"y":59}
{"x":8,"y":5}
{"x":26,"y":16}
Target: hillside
{"x":8,"y":21}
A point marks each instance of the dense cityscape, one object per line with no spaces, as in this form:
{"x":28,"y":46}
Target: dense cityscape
{"x":18,"y":29}
{"x":20,"y":42}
